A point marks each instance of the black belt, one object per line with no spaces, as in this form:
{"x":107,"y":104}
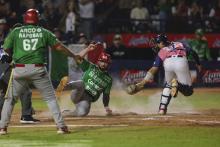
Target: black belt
{"x":175,"y":56}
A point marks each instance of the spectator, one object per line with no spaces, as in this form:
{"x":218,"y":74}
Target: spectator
{"x":214,"y":18}
{"x":83,"y":39}
{"x":71,"y":17}
{"x":51,"y":15}
{"x":86,"y":12}
{"x":139,"y":15}
{"x":181,"y":9}
{"x":117,"y":50}
{"x":164,"y":10}
{"x":195,"y":14}
{"x":200,"y":46}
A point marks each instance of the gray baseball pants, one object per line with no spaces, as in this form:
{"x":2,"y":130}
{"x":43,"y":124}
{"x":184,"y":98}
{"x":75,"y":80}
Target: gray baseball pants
{"x":80,"y":98}
{"x":26,"y":104}
{"x":39,"y":77}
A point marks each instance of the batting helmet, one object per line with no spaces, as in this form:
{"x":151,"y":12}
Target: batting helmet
{"x":161,"y":38}
{"x":31,"y":16}
{"x":104,"y":57}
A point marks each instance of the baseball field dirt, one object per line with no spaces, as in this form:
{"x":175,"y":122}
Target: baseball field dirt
{"x":133,"y":116}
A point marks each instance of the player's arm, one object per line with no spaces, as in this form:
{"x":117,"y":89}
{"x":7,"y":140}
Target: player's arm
{"x":134,"y":88}
{"x":85,"y":51}
{"x":106,"y":99}
{"x":195,"y":57}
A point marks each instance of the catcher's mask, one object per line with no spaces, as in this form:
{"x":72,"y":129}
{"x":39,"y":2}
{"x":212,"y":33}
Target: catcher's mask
{"x":154,"y":42}
{"x":104,"y":61}
{"x":31,"y":16}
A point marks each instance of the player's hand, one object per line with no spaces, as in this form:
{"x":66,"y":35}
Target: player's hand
{"x":61,"y":86}
{"x":108,"y":111}
{"x":91,"y":47}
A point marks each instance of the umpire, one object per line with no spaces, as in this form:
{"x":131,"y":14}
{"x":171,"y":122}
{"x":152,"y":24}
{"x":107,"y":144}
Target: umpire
{"x":30,"y":46}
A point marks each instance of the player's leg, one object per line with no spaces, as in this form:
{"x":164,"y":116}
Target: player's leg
{"x":166,"y":93}
{"x":42,"y":82}
{"x":165,"y":99}
{"x":15,"y":88}
{"x":82,"y":108}
{"x":27,"y":109}
{"x":183,"y":77}
{"x":79,"y":98}
{"x":78,"y":90}
{"x":3,"y":88}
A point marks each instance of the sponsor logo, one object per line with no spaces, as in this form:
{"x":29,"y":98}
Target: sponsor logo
{"x":137,"y":41}
{"x":132,"y":76}
{"x":216,"y":43}
{"x":211,"y":76}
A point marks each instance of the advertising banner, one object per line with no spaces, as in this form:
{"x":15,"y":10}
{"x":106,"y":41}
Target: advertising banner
{"x":142,"y":40}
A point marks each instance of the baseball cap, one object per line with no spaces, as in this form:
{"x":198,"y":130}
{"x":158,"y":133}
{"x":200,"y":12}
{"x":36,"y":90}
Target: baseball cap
{"x":199,"y":32}
{"x":82,"y":35}
{"x":117,"y":37}
{"x":2,"y":21}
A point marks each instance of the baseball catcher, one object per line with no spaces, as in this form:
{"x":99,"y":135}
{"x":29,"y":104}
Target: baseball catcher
{"x":172,"y":55}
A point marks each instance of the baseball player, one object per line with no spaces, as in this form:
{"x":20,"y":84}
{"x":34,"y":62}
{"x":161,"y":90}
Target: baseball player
{"x":25,"y":98}
{"x":200,"y":46}
{"x":30,"y":45}
{"x":95,"y":81}
{"x":177,"y":76}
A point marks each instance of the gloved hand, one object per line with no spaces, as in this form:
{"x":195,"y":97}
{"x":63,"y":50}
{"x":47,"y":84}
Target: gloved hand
{"x":135,"y":88}
{"x":108,"y":111}
{"x":131,"y":89}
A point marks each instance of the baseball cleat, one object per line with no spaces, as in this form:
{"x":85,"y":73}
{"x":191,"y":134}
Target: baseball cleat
{"x":174,"y":88}
{"x":162,"y":112}
{"x":63,"y":130}
{"x":3,"y":131}
{"x":28,"y":119}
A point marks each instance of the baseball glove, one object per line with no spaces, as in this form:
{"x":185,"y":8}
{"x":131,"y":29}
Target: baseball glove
{"x":61,"y":86}
{"x":131,"y":89}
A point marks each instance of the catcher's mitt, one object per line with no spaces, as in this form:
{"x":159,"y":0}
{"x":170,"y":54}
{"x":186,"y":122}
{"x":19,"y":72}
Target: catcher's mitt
{"x":132,"y":89}
{"x":61,"y":86}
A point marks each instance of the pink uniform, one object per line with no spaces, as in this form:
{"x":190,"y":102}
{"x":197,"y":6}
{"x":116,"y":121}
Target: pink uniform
{"x":175,"y":63}
{"x":175,"y":49}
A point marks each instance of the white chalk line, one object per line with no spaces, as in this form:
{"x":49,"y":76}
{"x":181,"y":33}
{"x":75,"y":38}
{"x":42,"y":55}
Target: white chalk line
{"x":184,"y":120}
{"x":69,"y":125}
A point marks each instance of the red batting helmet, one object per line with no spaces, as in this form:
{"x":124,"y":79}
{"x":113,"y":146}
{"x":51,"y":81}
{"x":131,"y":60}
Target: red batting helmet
{"x":104,"y":57}
{"x":31,"y":16}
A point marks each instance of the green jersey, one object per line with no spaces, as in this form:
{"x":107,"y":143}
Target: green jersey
{"x":201,"y":48}
{"x":95,"y":80}
{"x":30,"y":44}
